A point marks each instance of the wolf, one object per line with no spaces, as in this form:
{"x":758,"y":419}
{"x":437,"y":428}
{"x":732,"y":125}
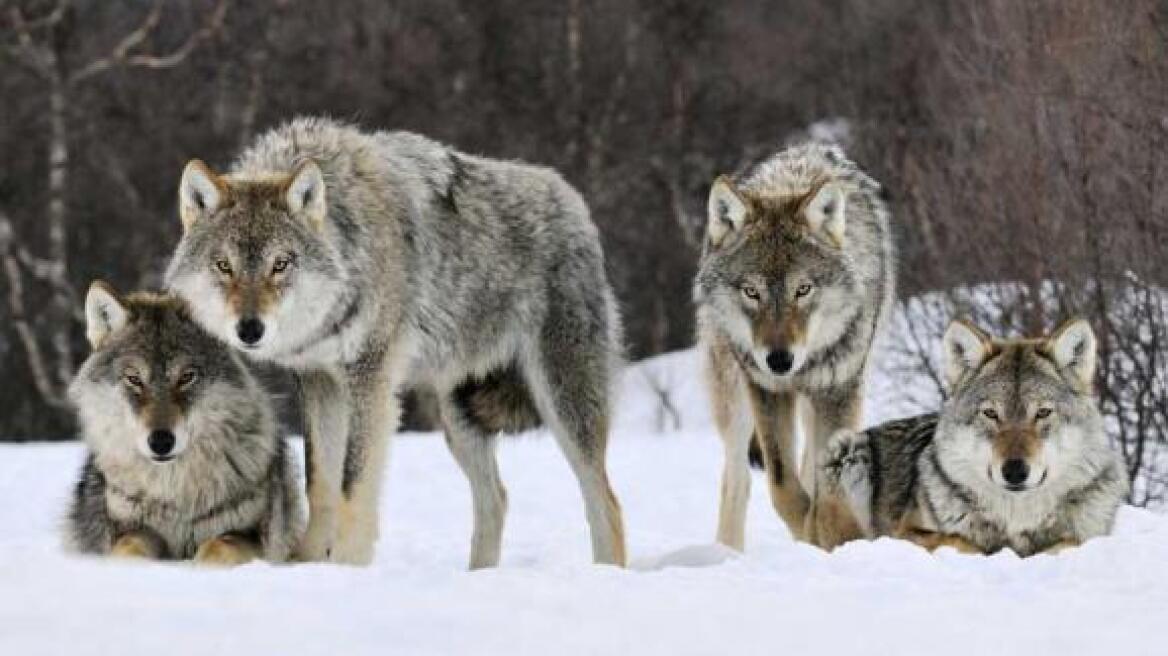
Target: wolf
{"x":794,"y":283}
{"x":375,"y":262}
{"x":184,"y":457}
{"x":1016,"y":459}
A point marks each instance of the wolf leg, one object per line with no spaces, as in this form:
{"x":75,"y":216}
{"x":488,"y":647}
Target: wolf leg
{"x":474,"y":450}
{"x":824,"y":414}
{"x":774,"y":420}
{"x":735,"y":426}
{"x":374,"y":414}
{"x":933,"y":540}
{"x":138,"y":544}
{"x":229,"y":550}
{"x":326,"y":432}
{"x":570,"y":389}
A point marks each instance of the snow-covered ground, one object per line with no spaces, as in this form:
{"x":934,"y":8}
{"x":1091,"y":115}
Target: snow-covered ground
{"x":682,"y":594}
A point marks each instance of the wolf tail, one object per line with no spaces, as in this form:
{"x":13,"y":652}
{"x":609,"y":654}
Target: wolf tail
{"x":845,"y":472}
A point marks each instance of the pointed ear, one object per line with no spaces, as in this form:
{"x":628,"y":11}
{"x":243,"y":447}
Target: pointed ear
{"x":104,"y":313}
{"x":965,"y":348}
{"x":825,"y":211}
{"x":304,"y":193}
{"x":200,"y":193}
{"x":1073,"y":348}
{"x":727,"y":210}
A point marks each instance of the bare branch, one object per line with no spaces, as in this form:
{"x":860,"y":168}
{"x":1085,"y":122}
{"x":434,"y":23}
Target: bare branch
{"x":123,"y":55}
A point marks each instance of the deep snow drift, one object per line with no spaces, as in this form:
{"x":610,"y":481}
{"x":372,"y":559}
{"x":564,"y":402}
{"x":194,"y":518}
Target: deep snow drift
{"x":681,"y":595}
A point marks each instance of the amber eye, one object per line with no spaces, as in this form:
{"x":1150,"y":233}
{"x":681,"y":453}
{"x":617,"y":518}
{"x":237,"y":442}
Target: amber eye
{"x":990,"y":413}
{"x":133,"y":381}
{"x":223,"y":266}
{"x":281,"y":265}
{"x":803,"y":290}
{"x":187,"y":378}
{"x":1043,"y":413}
{"x":750,"y":292}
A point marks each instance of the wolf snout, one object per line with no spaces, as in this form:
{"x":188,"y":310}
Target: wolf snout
{"x":780,"y":361}
{"x":1015,"y":471}
{"x":250,"y":331}
{"x":161,"y":443}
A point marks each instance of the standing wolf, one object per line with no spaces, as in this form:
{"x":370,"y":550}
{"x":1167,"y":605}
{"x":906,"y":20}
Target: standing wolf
{"x":794,"y":283}
{"x":1016,"y":459}
{"x":185,"y":461}
{"x":375,"y":262}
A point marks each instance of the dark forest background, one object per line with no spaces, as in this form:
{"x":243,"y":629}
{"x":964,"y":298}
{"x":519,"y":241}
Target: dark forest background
{"x":1022,"y":142}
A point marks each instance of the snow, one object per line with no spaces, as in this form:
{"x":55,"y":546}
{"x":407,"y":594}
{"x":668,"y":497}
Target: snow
{"x":681,"y":595}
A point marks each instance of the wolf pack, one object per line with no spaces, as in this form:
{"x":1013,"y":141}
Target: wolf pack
{"x":369,"y":264}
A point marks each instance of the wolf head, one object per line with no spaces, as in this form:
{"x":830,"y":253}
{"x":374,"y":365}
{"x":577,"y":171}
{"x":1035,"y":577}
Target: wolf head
{"x":252,"y":261}
{"x":775,"y":274}
{"x":154,"y":380}
{"x":1021,"y":413}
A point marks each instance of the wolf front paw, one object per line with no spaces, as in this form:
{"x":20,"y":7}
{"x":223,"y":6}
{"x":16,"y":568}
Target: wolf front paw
{"x":316,"y":546}
{"x":136,"y":546}
{"x":226,"y":551}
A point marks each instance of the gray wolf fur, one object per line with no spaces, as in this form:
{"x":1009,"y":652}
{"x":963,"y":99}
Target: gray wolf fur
{"x":373,"y":262}
{"x":185,"y":461}
{"x":795,"y":281}
{"x":1017,"y":457}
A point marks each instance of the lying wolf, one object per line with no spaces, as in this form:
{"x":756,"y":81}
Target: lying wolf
{"x":375,"y":262}
{"x":184,"y":457}
{"x":1017,"y":457}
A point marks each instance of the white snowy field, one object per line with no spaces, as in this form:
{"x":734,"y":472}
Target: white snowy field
{"x":682,"y":594}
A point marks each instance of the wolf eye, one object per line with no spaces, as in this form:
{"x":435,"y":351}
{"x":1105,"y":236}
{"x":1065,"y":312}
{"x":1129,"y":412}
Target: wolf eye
{"x":1043,"y":413}
{"x":750,"y":292}
{"x":990,"y":413}
{"x":223,"y":267}
{"x":133,"y":381}
{"x":803,"y":290}
{"x":187,"y":378}
{"x":281,"y":264}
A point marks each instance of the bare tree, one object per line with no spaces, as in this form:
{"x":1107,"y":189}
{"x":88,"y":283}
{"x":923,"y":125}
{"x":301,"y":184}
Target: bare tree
{"x":40,"y":44}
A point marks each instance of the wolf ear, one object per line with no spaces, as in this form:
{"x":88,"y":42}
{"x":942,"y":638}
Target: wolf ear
{"x":1073,"y":347}
{"x":199,"y":193}
{"x":727,"y":210}
{"x":966,"y":347}
{"x":825,"y":211}
{"x":104,"y":313}
{"x":304,"y":193}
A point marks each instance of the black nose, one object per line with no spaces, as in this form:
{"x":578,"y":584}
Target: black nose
{"x":249,"y":330}
{"x":1015,"y":471}
{"x":161,"y":442}
{"x":780,"y":361}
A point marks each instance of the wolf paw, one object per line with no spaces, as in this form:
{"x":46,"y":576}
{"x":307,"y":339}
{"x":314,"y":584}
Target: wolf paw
{"x":134,"y":546}
{"x":225,"y":551}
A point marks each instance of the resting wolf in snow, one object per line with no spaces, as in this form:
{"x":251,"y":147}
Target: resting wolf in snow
{"x":184,"y":461}
{"x":372,"y":262}
{"x":794,"y":284}
{"x":1016,"y":459}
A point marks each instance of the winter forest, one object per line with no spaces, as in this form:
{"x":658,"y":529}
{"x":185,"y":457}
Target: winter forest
{"x":1022,"y":144}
